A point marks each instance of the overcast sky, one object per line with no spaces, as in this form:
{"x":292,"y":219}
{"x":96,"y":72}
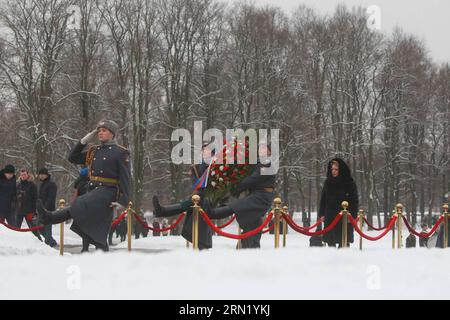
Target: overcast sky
{"x":427,"y":19}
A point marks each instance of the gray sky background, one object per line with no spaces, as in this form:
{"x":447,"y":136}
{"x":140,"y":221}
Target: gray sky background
{"x":429,"y":20}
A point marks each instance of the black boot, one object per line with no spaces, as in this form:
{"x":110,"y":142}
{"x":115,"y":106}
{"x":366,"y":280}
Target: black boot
{"x":46,"y":217}
{"x":104,"y":248}
{"x":86,"y":243}
{"x":156,"y":206}
{"x":220,"y":213}
{"x":167,"y":211}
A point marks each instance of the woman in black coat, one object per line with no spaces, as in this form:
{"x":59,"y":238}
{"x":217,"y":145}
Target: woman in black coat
{"x":339,"y":186}
{"x":7,"y":194}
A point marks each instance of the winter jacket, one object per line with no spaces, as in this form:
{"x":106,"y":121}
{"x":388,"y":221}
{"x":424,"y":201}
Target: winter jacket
{"x":7,"y":195}
{"x":26,"y":197}
{"x":334,"y":192}
{"x":47,"y":194}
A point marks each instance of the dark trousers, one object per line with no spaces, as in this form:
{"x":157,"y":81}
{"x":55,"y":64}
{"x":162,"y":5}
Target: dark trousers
{"x":10,"y":218}
{"x":47,"y":233}
{"x":252,"y":242}
{"x":110,"y":235}
{"x":30,"y":224}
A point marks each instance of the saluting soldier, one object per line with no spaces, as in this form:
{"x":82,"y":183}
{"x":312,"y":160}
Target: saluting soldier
{"x":109,"y":186}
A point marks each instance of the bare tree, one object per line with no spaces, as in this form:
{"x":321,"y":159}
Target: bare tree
{"x":30,"y":58}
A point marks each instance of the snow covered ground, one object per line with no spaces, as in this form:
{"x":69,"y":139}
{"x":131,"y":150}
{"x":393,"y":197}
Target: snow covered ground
{"x":166,"y":269}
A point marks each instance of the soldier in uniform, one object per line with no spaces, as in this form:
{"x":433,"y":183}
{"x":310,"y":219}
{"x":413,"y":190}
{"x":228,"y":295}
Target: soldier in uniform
{"x":251,"y":209}
{"x":205,"y":232}
{"x":109,"y":186}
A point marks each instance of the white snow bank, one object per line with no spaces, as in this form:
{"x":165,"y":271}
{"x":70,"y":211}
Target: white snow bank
{"x":171,"y":271}
{"x":21,"y":244}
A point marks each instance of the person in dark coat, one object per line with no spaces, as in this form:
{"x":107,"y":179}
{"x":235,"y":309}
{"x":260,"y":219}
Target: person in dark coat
{"x":164,"y":225}
{"x":423,"y":242}
{"x":109,"y":186}
{"x":316,"y":241}
{"x":156,"y":226}
{"x":47,"y":194}
{"x":204,"y":231}
{"x":137,"y":228}
{"x":26,"y":197}
{"x":251,"y":209}
{"x":411,"y":241}
{"x":271,"y":223}
{"x":8,"y":194}
{"x":112,"y":230}
{"x":145,"y":231}
{"x":339,"y":186}
{"x":123,"y":230}
{"x":174,"y":231}
{"x":306,"y":219}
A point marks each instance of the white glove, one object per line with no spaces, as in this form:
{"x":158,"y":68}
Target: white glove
{"x":116,"y":205}
{"x":89,"y":137}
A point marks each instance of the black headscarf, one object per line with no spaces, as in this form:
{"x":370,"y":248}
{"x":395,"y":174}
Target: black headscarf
{"x":344,"y":177}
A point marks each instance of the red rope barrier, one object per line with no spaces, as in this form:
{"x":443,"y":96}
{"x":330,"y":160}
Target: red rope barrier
{"x":116,"y":222}
{"x":301,"y":230}
{"x":361,"y":233}
{"x":228,"y":223}
{"x":146,"y":226}
{"x":372,"y":227}
{"x":234,"y":236}
{"x":423,"y":235}
{"x":37,"y":228}
{"x":268,"y":229}
{"x":319,"y":222}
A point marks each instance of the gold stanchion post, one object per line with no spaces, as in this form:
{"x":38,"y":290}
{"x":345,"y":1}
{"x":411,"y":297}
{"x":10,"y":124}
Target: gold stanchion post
{"x":195,"y":212}
{"x":344,"y":213}
{"x":445,"y":207}
{"x":277,"y":210}
{"x":285,"y":212}
{"x":239,"y":243}
{"x":129,"y":224}
{"x":399,"y":208}
{"x":361,"y":226}
{"x":394,"y":214}
{"x":61,"y":205}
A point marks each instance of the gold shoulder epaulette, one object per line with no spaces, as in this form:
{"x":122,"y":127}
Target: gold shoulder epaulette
{"x":122,"y":147}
